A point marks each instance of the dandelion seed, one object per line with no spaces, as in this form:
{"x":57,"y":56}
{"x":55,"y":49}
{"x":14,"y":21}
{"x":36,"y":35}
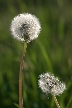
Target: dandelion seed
{"x":51,"y":84}
{"x":25,"y":27}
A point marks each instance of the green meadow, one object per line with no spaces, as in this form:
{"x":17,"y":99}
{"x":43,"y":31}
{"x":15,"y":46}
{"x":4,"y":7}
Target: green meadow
{"x":51,"y":51}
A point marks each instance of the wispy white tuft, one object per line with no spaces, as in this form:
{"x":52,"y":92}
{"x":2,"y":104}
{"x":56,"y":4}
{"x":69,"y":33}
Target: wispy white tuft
{"x":25,"y":27}
{"x":51,"y":84}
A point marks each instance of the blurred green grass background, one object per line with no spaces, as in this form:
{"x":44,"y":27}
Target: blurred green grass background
{"x":51,"y":51}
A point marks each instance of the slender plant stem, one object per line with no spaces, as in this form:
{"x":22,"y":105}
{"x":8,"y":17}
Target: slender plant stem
{"x":55,"y":99}
{"x":20,"y":76}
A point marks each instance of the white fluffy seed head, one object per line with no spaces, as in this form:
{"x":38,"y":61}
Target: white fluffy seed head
{"x":51,"y":84}
{"x":25,"y":27}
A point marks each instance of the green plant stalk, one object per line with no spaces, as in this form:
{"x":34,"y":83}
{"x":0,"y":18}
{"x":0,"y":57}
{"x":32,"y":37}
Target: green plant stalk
{"x":20,"y":76}
{"x":55,"y":99}
{"x":70,"y":101}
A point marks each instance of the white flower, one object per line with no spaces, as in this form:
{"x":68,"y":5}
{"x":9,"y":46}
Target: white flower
{"x":51,"y":84}
{"x":25,"y":27}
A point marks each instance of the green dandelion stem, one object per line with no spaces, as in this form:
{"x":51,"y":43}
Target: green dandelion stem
{"x":20,"y":76}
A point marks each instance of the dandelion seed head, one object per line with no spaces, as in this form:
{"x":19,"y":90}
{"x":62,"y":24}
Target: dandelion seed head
{"x":51,"y":84}
{"x":25,"y":26}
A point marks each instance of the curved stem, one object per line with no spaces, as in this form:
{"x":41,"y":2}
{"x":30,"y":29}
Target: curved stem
{"x":55,"y":99}
{"x":20,"y":76}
